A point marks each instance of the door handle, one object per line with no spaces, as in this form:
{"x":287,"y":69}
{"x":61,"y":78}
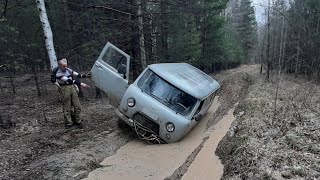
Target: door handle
{"x":98,"y":65}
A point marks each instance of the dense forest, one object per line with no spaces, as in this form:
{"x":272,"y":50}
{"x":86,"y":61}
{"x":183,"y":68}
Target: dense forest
{"x":289,"y":41}
{"x":209,"y":34}
{"x":203,"y":33}
{"x":272,"y":100}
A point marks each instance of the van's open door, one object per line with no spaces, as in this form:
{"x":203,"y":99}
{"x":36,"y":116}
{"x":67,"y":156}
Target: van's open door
{"x":110,"y":73}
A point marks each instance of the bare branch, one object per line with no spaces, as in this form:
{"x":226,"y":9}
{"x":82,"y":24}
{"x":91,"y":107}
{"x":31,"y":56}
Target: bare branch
{"x":4,"y":9}
{"x":97,"y":6}
{"x":286,"y":18}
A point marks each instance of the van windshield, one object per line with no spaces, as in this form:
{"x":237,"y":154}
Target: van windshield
{"x":166,"y":93}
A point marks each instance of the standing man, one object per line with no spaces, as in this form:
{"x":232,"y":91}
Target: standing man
{"x":65,"y":78}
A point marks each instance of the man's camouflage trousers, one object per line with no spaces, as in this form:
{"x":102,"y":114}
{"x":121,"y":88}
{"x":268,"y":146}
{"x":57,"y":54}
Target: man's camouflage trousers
{"x":70,"y":103}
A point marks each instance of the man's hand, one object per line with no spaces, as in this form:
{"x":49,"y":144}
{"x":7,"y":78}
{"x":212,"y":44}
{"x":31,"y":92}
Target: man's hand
{"x":57,"y":84}
{"x":84,"y":85}
{"x":88,"y":75}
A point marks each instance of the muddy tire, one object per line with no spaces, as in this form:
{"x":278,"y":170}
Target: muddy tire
{"x":122,"y":124}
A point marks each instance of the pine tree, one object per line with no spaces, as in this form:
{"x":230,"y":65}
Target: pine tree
{"x":247,"y":28}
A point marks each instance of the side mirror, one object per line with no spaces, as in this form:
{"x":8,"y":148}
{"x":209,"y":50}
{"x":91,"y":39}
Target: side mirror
{"x":198,"y":117}
{"x":123,"y":70}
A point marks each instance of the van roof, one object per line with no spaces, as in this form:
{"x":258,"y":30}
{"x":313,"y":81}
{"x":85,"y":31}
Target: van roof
{"x":187,"y":78}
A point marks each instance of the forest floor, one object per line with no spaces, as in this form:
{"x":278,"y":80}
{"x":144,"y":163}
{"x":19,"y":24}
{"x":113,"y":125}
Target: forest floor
{"x":264,"y":142}
{"x":276,"y":134}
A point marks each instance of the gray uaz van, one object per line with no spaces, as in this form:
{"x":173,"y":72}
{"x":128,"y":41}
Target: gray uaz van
{"x":163,"y":104}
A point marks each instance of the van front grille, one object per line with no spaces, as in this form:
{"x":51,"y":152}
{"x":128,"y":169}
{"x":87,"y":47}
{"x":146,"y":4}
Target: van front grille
{"x":147,"y":122}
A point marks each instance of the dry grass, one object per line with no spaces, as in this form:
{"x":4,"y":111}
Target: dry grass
{"x":268,"y":144}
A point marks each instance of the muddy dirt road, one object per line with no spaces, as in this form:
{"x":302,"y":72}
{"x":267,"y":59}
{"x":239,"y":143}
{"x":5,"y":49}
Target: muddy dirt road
{"x":35,"y":145}
{"x":207,"y":164}
{"x":191,"y":158}
{"x":137,"y":160}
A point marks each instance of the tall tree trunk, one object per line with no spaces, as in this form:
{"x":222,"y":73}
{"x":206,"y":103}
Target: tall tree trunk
{"x":164,"y":31}
{"x":47,"y":33}
{"x":204,"y":34}
{"x":153,"y":31}
{"x":275,"y":42}
{"x":67,"y":22}
{"x":268,"y":43}
{"x":297,"y":59}
{"x":282,"y":43}
{"x":11,"y":81}
{"x":284,"y":46}
{"x":36,"y":80}
{"x":154,"y":43}
{"x":279,"y":68}
{"x":135,"y":65}
{"x":262,"y":51}
{"x":141,"y":36}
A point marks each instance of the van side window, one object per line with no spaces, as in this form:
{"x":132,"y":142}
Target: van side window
{"x":205,"y":102}
{"x":200,"y":106}
{"x":208,"y":100}
{"x":212,"y":96}
{"x":114,"y":58}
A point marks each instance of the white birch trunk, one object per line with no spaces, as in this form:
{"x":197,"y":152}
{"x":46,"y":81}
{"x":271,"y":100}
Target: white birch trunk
{"x":47,"y":33}
{"x":141,"y":36}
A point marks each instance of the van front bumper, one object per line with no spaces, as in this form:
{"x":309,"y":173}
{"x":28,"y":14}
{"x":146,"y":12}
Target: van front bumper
{"x":142,"y":131}
{"x":124,"y":118}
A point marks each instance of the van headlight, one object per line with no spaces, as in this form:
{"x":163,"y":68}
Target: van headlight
{"x":131,"y":102}
{"x":170,"y":127}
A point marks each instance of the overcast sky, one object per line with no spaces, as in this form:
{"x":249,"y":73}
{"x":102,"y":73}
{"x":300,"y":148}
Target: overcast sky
{"x":260,"y":8}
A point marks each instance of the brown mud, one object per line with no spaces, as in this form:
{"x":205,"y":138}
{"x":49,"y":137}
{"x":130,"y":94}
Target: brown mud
{"x":35,"y":145}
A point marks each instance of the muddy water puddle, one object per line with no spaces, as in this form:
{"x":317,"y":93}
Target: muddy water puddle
{"x":207,"y":165}
{"x":138,"y":160}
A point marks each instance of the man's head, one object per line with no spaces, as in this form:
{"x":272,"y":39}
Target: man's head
{"x":63,"y":64}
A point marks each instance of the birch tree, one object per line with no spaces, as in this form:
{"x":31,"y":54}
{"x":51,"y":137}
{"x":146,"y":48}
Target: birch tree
{"x":47,"y":33}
